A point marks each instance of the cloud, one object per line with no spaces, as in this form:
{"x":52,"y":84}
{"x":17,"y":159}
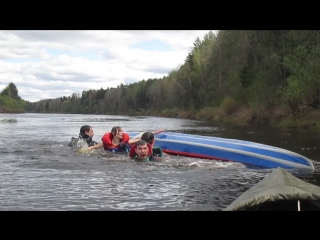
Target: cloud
{"x":51,"y":64}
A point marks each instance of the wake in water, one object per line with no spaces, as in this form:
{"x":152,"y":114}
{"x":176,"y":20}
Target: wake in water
{"x":168,"y":161}
{"x":181,"y":161}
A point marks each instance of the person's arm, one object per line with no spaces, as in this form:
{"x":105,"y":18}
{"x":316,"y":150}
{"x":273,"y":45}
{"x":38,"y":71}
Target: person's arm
{"x":133,"y":140}
{"x":159,"y":131}
{"x":138,"y":137}
{"x":99,"y":145}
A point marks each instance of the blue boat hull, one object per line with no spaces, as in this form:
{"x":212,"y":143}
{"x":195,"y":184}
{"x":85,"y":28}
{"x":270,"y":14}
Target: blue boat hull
{"x":214,"y":148}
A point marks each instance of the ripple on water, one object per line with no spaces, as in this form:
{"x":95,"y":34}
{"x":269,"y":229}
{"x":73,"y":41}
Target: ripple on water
{"x":41,"y":172}
{"x":132,"y":187}
{"x":114,"y":182}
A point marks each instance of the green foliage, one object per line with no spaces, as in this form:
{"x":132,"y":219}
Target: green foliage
{"x":8,"y":104}
{"x":206,"y":113}
{"x":294,"y":92}
{"x":229,"y":105}
{"x":246,"y":77}
{"x":169,"y":113}
{"x":10,"y":91}
{"x":303,"y":83}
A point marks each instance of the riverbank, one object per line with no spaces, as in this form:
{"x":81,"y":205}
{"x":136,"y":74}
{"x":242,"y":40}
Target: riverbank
{"x":309,"y":119}
{"x":4,"y":110}
{"x":10,"y":109}
{"x":277,"y":117}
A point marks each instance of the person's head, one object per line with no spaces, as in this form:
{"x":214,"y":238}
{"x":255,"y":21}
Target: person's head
{"x":142,"y":149}
{"x":117,"y":132}
{"x":87,"y":130}
{"x":148,"y":137}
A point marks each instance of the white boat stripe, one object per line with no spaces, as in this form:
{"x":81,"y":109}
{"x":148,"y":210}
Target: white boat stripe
{"x":246,"y":145}
{"x":218,"y":139}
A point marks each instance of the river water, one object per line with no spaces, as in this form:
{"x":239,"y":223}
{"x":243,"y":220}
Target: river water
{"x":38,"y":170}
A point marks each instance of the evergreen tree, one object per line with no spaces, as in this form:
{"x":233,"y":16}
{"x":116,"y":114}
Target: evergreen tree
{"x":10,"y":91}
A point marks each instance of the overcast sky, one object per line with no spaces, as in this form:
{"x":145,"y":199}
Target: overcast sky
{"x":51,"y":64}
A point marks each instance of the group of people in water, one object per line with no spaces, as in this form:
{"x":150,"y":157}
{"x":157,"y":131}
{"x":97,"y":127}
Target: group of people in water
{"x":141,"y":147}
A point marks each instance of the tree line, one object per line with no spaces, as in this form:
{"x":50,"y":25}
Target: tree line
{"x":229,"y":69}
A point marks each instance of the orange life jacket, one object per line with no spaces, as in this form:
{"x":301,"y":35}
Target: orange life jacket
{"x":107,"y":141}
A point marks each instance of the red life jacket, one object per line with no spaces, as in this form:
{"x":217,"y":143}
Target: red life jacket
{"x":107,"y":140}
{"x":132,"y":152}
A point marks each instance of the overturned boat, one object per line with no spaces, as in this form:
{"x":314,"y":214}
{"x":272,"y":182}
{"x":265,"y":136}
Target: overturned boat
{"x":279,"y":191}
{"x":214,"y":148}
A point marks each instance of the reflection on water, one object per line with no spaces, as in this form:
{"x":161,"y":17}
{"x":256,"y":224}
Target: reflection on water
{"x":38,"y":171}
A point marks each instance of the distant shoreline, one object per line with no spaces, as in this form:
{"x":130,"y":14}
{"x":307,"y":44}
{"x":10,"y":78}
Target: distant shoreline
{"x":243,"y":116}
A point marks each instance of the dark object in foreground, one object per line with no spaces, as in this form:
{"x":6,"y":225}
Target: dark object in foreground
{"x":279,"y":191}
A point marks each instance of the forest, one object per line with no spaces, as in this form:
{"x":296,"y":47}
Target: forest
{"x":249,"y":76}
{"x":10,"y":101}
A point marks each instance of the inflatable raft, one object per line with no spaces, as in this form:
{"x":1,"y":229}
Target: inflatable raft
{"x":214,"y":148}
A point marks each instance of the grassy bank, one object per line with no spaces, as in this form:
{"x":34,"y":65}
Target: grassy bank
{"x":278,"y":117}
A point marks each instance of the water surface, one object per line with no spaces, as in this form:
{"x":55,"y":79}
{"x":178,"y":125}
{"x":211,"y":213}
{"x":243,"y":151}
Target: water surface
{"x":38,"y":171}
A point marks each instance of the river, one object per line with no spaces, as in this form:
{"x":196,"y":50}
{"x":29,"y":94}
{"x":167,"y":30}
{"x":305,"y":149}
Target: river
{"x":39,"y":172}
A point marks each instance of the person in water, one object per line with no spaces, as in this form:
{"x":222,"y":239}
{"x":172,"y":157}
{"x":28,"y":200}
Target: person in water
{"x":139,"y":136}
{"x":115,"y":141}
{"x":86,"y":134}
{"x":154,"y":153}
{"x":149,"y":138}
{"x":143,"y":152}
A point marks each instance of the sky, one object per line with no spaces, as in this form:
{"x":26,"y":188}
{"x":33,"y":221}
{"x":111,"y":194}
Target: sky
{"x":46,"y":64}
